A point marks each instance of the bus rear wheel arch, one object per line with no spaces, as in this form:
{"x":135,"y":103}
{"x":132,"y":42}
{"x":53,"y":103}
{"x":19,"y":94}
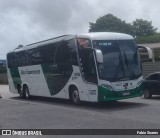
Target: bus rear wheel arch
{"x":74,"y":95}
{"x":20,"y":91}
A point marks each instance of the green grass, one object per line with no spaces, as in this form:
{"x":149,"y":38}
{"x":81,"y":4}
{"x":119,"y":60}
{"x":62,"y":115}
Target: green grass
{"x":149,"y":39}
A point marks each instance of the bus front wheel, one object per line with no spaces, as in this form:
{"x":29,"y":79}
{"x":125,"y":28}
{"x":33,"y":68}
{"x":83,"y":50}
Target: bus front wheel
{"x":75,"y":96}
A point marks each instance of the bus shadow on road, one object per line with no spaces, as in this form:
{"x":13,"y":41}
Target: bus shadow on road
{"x":116,"y":105}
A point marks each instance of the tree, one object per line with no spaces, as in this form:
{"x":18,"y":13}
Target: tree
{"x":143,"y":28}
{"x":110,"y":23}
{"x":2,"y":69}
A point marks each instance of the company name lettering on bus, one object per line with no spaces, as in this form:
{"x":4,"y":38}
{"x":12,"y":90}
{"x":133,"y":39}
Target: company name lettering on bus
{"x":29,"y":72}
{"x":105,"y":44}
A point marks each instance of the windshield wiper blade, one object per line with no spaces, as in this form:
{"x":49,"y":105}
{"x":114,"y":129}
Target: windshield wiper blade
{"x":117,"y":69}
{"x":129,"y":69}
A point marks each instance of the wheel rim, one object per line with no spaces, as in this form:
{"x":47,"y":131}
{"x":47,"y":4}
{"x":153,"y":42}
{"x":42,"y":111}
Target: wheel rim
{"x":20,"y":92}
{"x":75,"y":96}
{"x":27,"y":92}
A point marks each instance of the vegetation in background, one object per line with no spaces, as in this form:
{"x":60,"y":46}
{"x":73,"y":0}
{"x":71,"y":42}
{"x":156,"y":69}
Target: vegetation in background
{"x":149,"y":39}
{"x":3,"y":69}
{"x":110,"y":23}
{"x":157,"y":54}
{"x":142,"y":27}
{"x":142,"y":30}
{"x":3,"y":78}
{"x":3,"y":75}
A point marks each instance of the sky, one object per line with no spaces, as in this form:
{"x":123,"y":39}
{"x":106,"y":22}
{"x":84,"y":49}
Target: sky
{"x":28,"y":21}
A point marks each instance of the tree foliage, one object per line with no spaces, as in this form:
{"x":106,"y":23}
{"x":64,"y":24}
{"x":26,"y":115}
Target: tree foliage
{"x":110,"y":23}
{"x":2,"y":69}
{"x":143,"y":28}
{"x":149,"y":39}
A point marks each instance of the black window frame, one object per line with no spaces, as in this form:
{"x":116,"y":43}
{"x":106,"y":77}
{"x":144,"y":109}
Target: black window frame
{"x":88,"y":77}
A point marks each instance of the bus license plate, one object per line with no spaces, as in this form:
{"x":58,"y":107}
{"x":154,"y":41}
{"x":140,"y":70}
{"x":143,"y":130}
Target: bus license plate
{"x":126,"y":93}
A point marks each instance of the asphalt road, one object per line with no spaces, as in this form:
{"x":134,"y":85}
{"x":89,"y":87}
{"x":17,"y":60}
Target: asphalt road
{"x":48,"y":113}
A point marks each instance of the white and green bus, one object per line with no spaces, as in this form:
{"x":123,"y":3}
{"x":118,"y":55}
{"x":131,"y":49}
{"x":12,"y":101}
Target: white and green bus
{"x":92,"y":67}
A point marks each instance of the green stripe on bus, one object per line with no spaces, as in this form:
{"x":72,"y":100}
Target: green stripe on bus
{"x":55,"y":79}
{"x":107,"y":95}
{"x":15,"y":76}
{"x":48,"y":77}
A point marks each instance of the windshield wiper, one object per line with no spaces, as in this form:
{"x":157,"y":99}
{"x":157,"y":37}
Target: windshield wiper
{"x":129,"y":69}
{"x":117,"y":69}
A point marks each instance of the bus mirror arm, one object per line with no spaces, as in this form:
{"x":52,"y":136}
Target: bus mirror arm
{"x":149,"y":51}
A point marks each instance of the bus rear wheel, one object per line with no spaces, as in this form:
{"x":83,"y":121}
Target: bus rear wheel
{"x":75,"y":96}
{"x":26,"y":92}
{"x":20,"y":91}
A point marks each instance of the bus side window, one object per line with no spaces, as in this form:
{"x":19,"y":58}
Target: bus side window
{"x":35,"y":56}
{"x":47,"y":53}
{"x":21,"y":59}
{"x":73,"y":52}
{"x":11,"y":60}
{"x":62,"y":54}
{"x":63,"y":59}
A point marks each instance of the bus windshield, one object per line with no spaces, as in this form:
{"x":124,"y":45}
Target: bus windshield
{"x":121,"y":60}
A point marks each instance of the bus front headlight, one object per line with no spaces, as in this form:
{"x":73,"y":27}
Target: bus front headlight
{"x":109,"y":87}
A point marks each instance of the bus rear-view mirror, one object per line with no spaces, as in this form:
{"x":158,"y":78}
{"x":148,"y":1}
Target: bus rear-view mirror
{"x":99,"y":56}
{"x":149,"y":51}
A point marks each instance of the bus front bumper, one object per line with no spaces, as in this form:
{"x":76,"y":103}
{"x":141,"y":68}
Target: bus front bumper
{"x":107,"y":95}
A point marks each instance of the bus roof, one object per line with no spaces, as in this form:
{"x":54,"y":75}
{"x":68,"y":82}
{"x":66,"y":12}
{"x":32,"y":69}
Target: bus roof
{"x":92,"y":36}
{"x":105,"y":36}
{"x":41,"y":43}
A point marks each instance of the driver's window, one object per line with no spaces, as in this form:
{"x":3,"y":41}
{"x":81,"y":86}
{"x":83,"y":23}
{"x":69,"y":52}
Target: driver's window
{"x":87,"y":62}
{"x":84,"y":43}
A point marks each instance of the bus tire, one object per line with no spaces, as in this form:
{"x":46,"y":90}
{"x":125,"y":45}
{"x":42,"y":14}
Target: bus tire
{"x":20,"y":92}
{"x":74,"y":96}
{"x":26,"y":92}
{"x":147,"y":94}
